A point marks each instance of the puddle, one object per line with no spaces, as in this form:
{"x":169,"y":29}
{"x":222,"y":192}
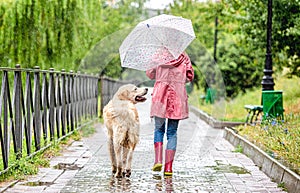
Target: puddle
{"x":63,"y":166}
{"x":38,"y":183}
{"x":224,"y":168}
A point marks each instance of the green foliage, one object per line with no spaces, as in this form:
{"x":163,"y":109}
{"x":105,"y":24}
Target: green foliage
{"x":63,"y":33}
{"x":235,"y":107}
{"x":24,"y":167}
{"x":239,"y":66}
{"x":241,"y":44}
{"x":87,"y":131}
{"x":76,"y":135}
{"x":285,"y":29}
{"x":234,"y":60}
{"x":239,"y":149}
{"x":58,"y":33}
{"x":27,"y":166}
{"x":282,"y":185}
{"x":278,"y":139}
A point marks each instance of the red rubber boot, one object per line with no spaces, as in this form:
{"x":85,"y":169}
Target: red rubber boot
{"x":169,"y":162}
{"x":158,"y":147}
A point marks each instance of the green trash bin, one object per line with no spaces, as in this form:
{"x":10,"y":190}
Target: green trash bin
{"x":272,"y":104}
{"x":210,"y":96}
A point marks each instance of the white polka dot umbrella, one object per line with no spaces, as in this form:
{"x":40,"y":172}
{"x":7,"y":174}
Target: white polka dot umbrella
{"x":156,"y":41}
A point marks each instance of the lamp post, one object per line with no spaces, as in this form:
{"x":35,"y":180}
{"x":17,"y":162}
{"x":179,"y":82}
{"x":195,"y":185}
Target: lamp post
{"x":216,"y":33}
{"x":210,"y":92}
{"x":267,"y":81}
{"x":216,"y":39}
{"x":212,"y":80}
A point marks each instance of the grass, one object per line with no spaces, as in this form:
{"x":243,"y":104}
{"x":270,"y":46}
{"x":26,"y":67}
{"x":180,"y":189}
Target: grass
{"x":282,"y":185}
{"x":229,"y":110}
{"x":280,"y":139}
{"x":29,"y":166}
{"x":87,"y":131}
{"x":238,"y":149}
{"x":233,"y":110}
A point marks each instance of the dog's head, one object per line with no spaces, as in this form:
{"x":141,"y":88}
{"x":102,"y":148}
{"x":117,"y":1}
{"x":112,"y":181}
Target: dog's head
{"x":131,"y":93}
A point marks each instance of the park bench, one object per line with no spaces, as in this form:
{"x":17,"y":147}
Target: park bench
{"x":272,"y":107}
{"x":254,"y":111}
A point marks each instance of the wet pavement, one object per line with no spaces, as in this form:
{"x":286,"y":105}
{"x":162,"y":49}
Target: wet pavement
{"x":204,"y":162}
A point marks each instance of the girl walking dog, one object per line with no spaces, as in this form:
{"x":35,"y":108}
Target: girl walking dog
{"x":169,"y":106}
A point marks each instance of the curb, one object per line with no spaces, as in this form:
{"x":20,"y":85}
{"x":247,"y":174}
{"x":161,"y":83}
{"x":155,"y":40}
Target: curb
{"x":213,"y":122}
{"x":7,"y":185}
{"x":271,"y":167}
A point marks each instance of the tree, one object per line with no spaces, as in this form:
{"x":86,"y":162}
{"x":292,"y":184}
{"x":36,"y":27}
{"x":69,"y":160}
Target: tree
{"x":241,"y":44}
{"x":59,"y":33}
{"x":286,"y":30}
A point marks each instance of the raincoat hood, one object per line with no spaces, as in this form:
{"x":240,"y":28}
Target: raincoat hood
{"x":182,"y":59}
{"x":179,"y":60}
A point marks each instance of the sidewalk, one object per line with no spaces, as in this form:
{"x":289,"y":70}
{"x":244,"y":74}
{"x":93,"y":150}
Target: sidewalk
{"x":204,"y":162}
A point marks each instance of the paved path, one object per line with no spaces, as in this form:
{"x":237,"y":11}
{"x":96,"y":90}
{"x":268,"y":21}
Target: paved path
{"x":204,"y":162}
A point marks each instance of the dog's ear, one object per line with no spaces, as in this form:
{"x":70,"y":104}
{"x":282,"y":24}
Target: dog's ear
{"x":123,"y":95}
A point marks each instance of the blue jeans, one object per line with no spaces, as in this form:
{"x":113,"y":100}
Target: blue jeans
{"x":159,"y":132}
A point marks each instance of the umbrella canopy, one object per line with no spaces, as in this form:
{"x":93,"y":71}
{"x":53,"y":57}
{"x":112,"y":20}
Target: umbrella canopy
{"x":156,"y":41}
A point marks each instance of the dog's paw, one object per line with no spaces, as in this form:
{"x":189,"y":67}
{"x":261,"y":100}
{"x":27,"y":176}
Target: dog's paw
{"x":113,"y":170}
{"x":127,"y":173}
{"x":119,"y":173}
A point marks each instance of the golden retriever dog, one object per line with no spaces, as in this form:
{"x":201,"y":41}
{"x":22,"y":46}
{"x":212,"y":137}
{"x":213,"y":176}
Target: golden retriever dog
{"x":122,"y":122}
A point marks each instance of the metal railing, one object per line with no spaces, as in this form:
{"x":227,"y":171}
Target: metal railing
{"x":41,"y":106}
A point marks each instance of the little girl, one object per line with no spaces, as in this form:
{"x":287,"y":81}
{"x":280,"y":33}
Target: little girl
{"x":169,"y":105}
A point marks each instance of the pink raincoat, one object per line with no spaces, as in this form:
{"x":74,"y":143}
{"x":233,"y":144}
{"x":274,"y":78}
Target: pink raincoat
{"x":169,"y":97}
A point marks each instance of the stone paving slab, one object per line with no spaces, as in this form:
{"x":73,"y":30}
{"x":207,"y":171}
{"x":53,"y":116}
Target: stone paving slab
{"x":204,"y":162}
{"x":53,"y":179}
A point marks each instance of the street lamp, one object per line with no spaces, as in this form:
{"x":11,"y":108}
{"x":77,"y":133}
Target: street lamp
{"x":210,"y":92}
{"x":216,"y":38}
{"x":271,"y":100}
{"x":267,"y":81}
{"x":216,"y":33}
